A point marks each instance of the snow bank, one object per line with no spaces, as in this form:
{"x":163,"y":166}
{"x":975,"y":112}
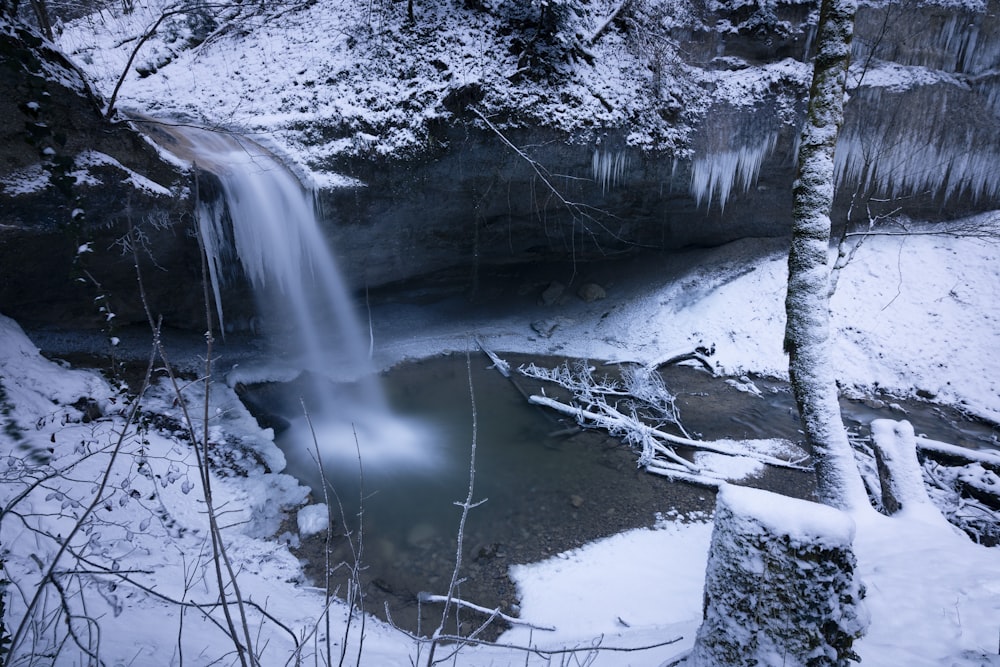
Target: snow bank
{"x":127,"y":498}
{"x":913,"y":314}
{"x":647,"y":580}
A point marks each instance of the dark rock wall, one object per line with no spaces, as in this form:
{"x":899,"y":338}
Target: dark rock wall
{"x":70,"y":178}
{"x":927,"y":149}
{"x":479,"y":202}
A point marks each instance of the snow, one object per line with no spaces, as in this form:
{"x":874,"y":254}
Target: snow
{"x":294,"y":67}
{"x":313,"y":519}
{"x":36,"y":178}
{"x":599,"y":585}
{"x":95,"y":158}
{"x":26,"y":181}
{"x":803,"y":522}
{"x":912,"y":314}
{"x":933,"y":595}
{"x":780,"y":584}
{"x":896,"y":444}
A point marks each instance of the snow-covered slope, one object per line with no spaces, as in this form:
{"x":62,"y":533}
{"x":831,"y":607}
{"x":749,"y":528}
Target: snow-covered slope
{"x":913,"y":312}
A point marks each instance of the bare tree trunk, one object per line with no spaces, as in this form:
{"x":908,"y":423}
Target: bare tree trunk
{"x":42,"y":15}
{"x":807,"y":332}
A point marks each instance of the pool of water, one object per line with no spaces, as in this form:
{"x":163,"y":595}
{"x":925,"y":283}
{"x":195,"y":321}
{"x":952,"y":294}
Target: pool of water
{"x":393,"y":479}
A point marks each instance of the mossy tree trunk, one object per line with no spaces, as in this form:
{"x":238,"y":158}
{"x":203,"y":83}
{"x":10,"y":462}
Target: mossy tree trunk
{"x":807,"y":332}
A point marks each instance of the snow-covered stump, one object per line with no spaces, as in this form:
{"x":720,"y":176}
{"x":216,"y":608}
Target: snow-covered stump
{"x":899,"y":472}
{"x":780,"y":586}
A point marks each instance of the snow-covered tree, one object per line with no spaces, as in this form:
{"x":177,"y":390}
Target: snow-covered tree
{"x":807,"y":331}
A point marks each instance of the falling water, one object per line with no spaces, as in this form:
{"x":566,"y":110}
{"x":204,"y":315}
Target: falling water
{"x":264,"y":225}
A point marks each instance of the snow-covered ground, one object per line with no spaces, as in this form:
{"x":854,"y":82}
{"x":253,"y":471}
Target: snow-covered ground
{"x":911,"y":313}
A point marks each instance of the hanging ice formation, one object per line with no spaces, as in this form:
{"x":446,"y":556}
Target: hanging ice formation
{"x":609,"y":167}
{"x":718,"y":172}
{"x":927,"y":122}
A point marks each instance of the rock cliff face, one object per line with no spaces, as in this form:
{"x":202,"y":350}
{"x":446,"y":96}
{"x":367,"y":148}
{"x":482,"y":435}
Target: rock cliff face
{"x":70,"y":184}
{"x":921,"y":138}
{"x":479,"y":202}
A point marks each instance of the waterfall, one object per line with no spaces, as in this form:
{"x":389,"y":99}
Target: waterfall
{"x":267,"y":221}
{"x":264,"y":225}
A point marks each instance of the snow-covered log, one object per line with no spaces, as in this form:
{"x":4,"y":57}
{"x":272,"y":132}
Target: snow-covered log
{"x":780,"y":586}
{"x":954,"y":455}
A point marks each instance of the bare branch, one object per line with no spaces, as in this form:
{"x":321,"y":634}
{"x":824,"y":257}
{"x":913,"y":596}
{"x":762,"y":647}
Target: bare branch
{"x":494,"y":613}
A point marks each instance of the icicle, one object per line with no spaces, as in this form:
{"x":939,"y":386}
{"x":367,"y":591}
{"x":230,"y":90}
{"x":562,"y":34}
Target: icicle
{"x":911,"y":162}
{"x":722,"y":170}
{"x":609,"y":167}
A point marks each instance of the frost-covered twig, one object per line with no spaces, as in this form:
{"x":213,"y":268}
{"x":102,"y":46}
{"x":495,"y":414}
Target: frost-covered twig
{"x":675,"y":474}
{"x":97,"y":500}
{"x":631,"y":427}
{"x":646,"y":397}
{"x":617,"y":423}
{"x":495,"y":613}
{"x":596,"y":647}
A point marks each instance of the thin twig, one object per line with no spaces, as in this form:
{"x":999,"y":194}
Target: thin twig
{"x":496,"y":613}
{"x":466,"y":506}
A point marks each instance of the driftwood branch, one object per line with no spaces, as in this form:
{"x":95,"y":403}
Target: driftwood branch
{"x":677,"y":358}
{"x":616,"y":421}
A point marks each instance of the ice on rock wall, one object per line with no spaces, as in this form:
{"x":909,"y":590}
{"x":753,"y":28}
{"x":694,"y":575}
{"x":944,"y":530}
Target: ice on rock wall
{"x":716,"y":173}
{"x":610,"y":167}
{"x":951,"y":41}
{"x":941,"y":140}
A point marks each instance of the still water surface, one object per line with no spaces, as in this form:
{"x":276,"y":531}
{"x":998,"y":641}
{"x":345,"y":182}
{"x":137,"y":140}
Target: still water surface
{"x":544,"y":491}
